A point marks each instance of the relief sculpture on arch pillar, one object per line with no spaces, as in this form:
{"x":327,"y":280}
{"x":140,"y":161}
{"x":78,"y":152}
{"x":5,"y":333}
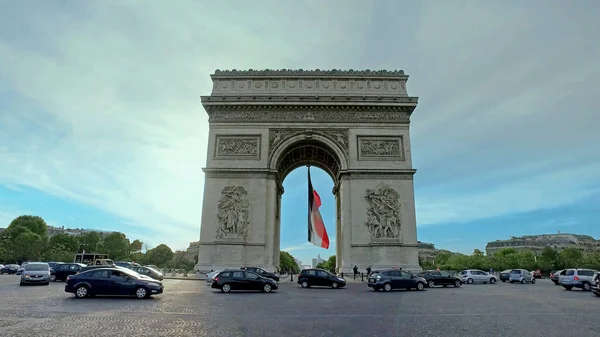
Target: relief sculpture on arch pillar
{"x":233,"y":214}
{"x":383,"y":212}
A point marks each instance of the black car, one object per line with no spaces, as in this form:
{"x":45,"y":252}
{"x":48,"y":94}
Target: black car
{"x":111,"y":281}
{"x":596,"y":286}
{"x":230,"y":280}
{"x":9,"y":269}
{"x":395,"y":279}
{"x":440,"y":278}
{"x":505,"y":275}
{"x":151,"y":272}
{"x":320,"y":278}
{"x":261,"y":272}
{"x":61,"y":271}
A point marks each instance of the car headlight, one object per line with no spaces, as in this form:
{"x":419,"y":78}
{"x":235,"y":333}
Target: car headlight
{"x":154,"y":284}
{"x":341,"y":279}
{"x":26,"y":276}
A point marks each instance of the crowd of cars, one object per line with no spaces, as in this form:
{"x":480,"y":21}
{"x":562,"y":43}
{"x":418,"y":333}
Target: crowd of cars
{"x":102,"y":277}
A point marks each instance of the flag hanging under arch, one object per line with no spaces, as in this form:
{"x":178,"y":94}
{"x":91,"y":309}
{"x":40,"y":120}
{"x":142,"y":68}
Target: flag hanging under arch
{"x":317,"y":234}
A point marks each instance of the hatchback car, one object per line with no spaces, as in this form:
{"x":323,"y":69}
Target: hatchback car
{"x":36,"y":273}
{"x":230,"y":280}
{"x":505,"y":275}
{"x":395,"y":279}
{"x":440,"y":277}
{"x":9,"y":269}
{"x":319,"y":278}
{"x":471,"y":276}
{"x":577,"y":278}
{"x":61,"y":271}
{"x":521,"y":276}
{"x":150,"y":272}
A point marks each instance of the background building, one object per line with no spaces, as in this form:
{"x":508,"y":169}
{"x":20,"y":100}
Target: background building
{"x":537,"y":243}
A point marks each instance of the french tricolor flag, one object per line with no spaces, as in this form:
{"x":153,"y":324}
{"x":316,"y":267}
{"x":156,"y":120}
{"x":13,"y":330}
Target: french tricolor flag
{"x":317,"y":234}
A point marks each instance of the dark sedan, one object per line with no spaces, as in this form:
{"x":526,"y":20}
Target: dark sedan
{"x":61,"y":271}
{"x":440,"y":278}
{"x":505,"y":275}
{"x":230,"y":280}
{"x":151,"y":272}
{"x":395,"y":279}
{"x":112,"y":281}
{"x":261,"y":272}
{"x":320,"y":278}
{"x":9,"y":269}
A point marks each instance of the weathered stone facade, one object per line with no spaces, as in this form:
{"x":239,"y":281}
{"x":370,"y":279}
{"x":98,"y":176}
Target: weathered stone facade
{"x":352,"y":124}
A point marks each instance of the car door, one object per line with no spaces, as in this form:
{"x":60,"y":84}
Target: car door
{"x":480,"y":276}
{"x":100,"y":282}
{"x":446,"y":278}
{"x":436,"y":277}
{"x":239,"y":281}
{"x":120,"y":284}
{"x":254,"y":281}
{"x":322,"y":279}
{"x":62,"y":271}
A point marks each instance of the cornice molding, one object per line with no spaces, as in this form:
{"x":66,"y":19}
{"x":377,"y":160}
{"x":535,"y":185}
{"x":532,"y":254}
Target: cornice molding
{"x":308,"y":100}
{"x":302,"y":72}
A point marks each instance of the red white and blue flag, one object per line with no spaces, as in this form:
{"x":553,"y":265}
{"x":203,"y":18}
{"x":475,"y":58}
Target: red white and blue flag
{"x":317,"y":234}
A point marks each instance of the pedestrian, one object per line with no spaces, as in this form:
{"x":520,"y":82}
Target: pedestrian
{"x":368,"y":271}
{"x":355,"y":270}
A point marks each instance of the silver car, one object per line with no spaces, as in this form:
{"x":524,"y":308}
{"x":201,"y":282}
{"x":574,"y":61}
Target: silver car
{"x":36,"y":273}
{"x":521,"y":276}
{"x":578,"y":278}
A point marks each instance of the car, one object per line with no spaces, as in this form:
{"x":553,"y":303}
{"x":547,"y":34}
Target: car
{"x":391,"y":279}
{"x":21,"y":268}
{"x":596,"y":285}
{"x":61,"y":271}
{"x":471,"y":276}
{"x":150,"y":272}
{"x":262,"y":272}
{"x":554,"y":276}
{"x":229,"y":280}
{"x":521,"y":276}
{"x":578,"y":278}
{"x":440,"y":277}
{"x":86,"y":268}
{"x":127,"y":264}
{"x":112,"y":281}
{"x":505,"y":275}
{"x":320,"y":278}
{"x":36,"y":273}
{"x":211,"y":275}
{"x":9,"y":269}
{"x":536,"y":273}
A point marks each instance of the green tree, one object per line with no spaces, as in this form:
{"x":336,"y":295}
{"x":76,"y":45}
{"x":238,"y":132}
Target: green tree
{"x":136,"y":246}
{"x":28,"y":246}
{"x":570,"y":258}
{"x":161,"y":255}
{"x":287,"y":263}
{"x":116,"y":245}
{"x":91,"y":242}
{"x":59,"y":253}
{"x":68,"y":242}
{"x":33,"y":223}
{"x":548,"y":259}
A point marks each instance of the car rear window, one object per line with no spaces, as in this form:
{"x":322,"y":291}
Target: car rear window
{"x":225,"y":274}
{"x":515,"y":272}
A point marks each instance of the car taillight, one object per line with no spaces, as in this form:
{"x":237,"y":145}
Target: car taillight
{"x":551,"y":275}
{"x":299,"y":275}
{"x":576,"y":278}
{"x":216,"y":279}
{"x":68,"y":277}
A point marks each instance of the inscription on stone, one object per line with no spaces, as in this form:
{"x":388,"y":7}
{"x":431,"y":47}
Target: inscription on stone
{"x":381,"y":147}
{"x":383,"y":212}
{"x":238,"y":146}
{"x":232,"y":212}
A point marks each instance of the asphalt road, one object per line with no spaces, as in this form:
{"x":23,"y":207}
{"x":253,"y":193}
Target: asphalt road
{"x":189,"y":308}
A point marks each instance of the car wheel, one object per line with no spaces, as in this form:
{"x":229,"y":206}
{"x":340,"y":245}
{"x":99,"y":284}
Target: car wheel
{"x":334,"y":285}
{"x":503,"y":281}
{"x":586,"y":286}
{"x":457,"y":284}
{"x":568,"y":287}
{"x":387,"y":287}
{"x":81,"y":292}
{"x":226,"y":288}
{"x":492,"y":280}
{"x":52,"y":278}
{"x":266,"y":288}
{"x":470,"y":281}
{"x":430,"y":284}
{"x":420,"y":286}
{"x":532,"y":281}
{"x":304,"y":284}
{"x":141,"y":292}
{"x":522,"y":281}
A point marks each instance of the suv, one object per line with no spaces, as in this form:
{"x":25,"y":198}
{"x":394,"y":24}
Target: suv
{"x":261,"y":272}
{"x":521,"y":276}
{"x":395,"y":279}
{"x":320,"y":278}
{"x":471,"y":276}
{"x":578,"y":278}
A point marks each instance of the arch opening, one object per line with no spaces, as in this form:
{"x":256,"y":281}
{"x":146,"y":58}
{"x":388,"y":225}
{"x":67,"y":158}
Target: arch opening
{"x":308,"y":152}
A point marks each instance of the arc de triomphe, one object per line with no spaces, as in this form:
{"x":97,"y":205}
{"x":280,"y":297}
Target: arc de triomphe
{"x":352,"y":124}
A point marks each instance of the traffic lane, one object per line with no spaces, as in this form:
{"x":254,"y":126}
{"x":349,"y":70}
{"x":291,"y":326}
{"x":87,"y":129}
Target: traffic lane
{"x":189,"y":308}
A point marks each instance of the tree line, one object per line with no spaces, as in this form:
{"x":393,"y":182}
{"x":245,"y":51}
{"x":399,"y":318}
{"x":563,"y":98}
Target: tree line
{"x":509,"y":258}
{"x":27,"y":239}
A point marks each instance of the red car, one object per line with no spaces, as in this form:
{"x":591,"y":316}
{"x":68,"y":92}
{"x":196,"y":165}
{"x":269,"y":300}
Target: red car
{"x":537,"y":274}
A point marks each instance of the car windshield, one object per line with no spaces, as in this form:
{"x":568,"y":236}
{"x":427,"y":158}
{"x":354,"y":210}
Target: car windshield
{"x":37,"y":267}
{"x":515,"y":272}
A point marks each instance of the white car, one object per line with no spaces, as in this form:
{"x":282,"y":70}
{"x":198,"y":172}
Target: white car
{"x":471,"y":276}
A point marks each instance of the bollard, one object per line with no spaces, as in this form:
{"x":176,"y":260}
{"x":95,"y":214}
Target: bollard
{"x":173,"y":274}
{"x":185,"y":274}
{"x":291,"y":277}
{"x":362,"y":277}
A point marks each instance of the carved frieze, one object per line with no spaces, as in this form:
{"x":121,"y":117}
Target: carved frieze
{"x":383,"y":212}
{"x":382,"y":147}
{"x":338,"y":136}
{"x":232,"y":212}
{"x":237,"y":147}
{"x":302,"y":72}
{"x":308,"y":116}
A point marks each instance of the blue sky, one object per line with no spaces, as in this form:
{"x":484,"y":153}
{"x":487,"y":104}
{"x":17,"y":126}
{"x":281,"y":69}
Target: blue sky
{"x":101,"y":124}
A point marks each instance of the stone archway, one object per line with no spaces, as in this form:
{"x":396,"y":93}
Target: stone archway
{"x":352,"y":124}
